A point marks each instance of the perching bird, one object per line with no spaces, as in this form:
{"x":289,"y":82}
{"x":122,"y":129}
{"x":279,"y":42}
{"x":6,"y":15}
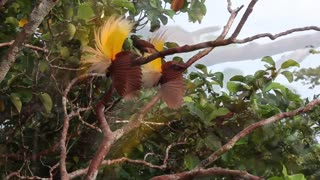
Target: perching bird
{"x":108,"y":57}
{"x":168,"y":75}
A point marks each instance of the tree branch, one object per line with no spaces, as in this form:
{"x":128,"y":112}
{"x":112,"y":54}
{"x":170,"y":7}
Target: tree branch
{"x":26,"y":45}
{"x":163,"y":166}
{"x":226,"y":29}
{"x":207,"y":172}
{"x":109,"y":137}
{"x":275,"y":36}
{"x":213,"y":157}
{"x":244,"y":19}
{"x":67,"y":117}
{"x":36,"y":17}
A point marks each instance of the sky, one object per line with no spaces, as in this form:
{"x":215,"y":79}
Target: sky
{"x":271,"y":16}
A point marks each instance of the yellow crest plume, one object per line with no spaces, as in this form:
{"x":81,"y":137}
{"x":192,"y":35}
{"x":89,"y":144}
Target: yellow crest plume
{"x":152,"y":70}
{"x":109,"y":39}
{"x":157,"y":39}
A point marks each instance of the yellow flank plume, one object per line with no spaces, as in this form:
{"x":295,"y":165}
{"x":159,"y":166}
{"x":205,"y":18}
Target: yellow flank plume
{"x":110,"y":37}
{"x":158,"y":40}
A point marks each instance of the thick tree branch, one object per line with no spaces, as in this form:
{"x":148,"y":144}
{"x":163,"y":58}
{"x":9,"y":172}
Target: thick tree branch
{"x":36,"y":17}
{"x":107,"y":140}
{"x":213,"y":157}
{"x":207,"y":172}
{"x":109,"y":137}
{"x":67,"y":117}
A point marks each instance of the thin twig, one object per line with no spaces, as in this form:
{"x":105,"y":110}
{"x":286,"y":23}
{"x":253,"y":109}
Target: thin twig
{"x":207,"y":172}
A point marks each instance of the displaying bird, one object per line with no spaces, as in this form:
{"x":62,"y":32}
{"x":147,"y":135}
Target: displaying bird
{"x":169,"y":74}
{"x":108,"y":57}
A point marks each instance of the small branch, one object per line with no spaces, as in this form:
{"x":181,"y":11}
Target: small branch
{"x":275,"y":36}
{"x":138,"y":118}
{"x":36,"y":17}
{"x":244,"y":19}
{"x":132,"y":161}
{"x":223,"y":34}
{"x":26,"y":45}
{"x":17,"y":174}
{"x":213,"y":157}
{"x":207,"y":172}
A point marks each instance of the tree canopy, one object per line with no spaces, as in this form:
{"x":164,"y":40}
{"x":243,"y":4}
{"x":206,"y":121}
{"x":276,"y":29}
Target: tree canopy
{"x":59,"y":121}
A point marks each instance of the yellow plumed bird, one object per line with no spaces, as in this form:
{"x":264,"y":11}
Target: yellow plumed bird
{"x":169,"y":74}
{"x":107,"y":56}
{"x":151,"y":72}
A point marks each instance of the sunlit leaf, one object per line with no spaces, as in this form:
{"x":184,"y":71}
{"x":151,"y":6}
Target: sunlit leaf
{"x":269,"y":60}
{"x":288,"y":75}
{"x":15,"y":99}
{"x":126,"y":4}
{"x":191,"y":161}
{"x":46,"y":101}
{"x":85,"y":11}
{"x":233,"y":87}
{"x":289,"y":63}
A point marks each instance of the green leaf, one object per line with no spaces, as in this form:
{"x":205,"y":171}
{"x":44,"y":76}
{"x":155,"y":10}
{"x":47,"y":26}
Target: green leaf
{"x":260,"y":73}
{"x":233,"y":87}
{"x":12,"y":20}
{"x":218,"y":77}
{"x":274,"y":85}
{"x":196,"y":111}
{"x":193,"y":75}
{"x":202,"y":68}
{"x":289,"y":63}
{"x":15,"y":99}
{"x":296,"y":177}
{"x":46,"y":101}
{"x":212,"y":142}
{"x":126,"y":4}
{"x":275,"y":178}
{"x":155,"y":3}
{"x":284,"y":171}
{"x":269,"y":60}
{"x":191,"y":161}
{"x":239,"y":78}
{"x":288,"y":75}
{"x":85,"y":11}
{"x":188,"y":99}
{"x":218,"y":112}
{"x":75,"y":159}
{"x":170,"y":13}
{"x":43,"y":66}
{"x":25,"y":95}
{"x":243,"y":141}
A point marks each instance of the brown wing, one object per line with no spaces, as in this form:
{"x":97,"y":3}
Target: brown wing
{"x":172,"y":86}
{"x":126,"y":78}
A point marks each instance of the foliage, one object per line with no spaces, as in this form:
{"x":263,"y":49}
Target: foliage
{"x":31,"y":114}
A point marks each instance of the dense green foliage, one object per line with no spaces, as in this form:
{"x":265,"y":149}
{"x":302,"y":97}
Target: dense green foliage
{"x":31,"y":113}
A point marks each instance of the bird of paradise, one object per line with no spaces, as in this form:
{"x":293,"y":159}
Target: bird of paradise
{"x":108,"y":57}
{"x":169,"y":74}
